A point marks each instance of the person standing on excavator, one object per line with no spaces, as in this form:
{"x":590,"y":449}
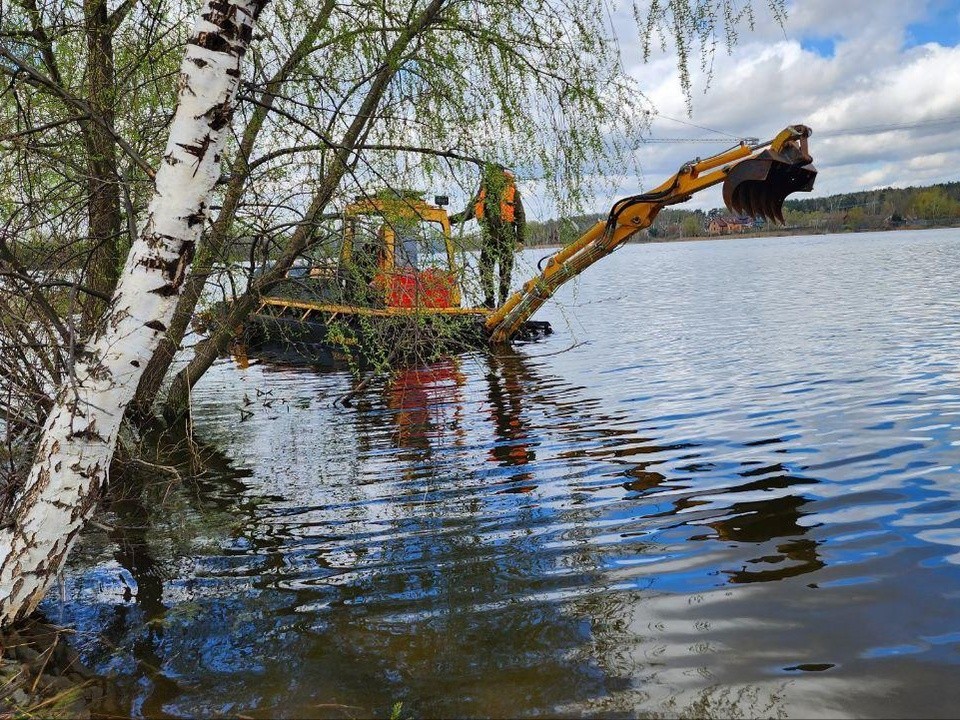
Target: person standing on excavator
{"x":499,"y":211}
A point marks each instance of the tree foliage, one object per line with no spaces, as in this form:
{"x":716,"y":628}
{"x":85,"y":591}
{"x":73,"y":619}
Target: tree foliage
{"x":935,"y":203}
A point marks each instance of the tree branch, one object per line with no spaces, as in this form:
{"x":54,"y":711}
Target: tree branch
{"x":118,"y":15}
{"x":39,"y":80}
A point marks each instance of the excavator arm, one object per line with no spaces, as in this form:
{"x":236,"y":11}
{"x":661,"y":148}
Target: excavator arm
{"x":757,"y":179}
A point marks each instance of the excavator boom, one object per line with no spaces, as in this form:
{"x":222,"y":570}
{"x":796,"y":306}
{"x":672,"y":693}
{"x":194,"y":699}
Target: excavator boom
{"x":757,"y":179}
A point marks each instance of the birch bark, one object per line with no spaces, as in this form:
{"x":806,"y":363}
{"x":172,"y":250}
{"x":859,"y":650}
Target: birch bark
{"x":74,"y":453}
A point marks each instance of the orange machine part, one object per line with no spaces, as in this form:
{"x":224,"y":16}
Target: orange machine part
{"x":430,"y":288}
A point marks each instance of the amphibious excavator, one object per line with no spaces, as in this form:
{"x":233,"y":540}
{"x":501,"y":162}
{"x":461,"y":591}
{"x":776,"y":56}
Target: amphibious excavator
{"x":397,"y":263}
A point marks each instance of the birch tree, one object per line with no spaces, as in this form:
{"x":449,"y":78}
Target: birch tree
{"x":80,"y":433}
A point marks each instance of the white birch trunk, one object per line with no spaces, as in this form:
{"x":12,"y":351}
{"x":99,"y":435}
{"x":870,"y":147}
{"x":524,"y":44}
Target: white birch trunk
{"x":74,"y":453}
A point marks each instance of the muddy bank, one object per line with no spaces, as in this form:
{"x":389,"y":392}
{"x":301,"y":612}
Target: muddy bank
{"x":42,"y":675}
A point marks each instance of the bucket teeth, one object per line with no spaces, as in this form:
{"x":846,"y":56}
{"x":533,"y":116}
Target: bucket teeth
{"x":758,"y":200}
{"x":778,"y":211}
{"x":774,"y":208}
{"x":758,"y":187}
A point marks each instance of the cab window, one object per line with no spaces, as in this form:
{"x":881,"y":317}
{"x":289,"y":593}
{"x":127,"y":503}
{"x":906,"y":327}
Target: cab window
{"x":419,"y":245}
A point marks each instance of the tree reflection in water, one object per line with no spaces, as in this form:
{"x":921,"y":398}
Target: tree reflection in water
{"x":465,"y":554}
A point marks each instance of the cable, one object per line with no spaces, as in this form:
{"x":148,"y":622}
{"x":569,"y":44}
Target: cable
{"x":699,"y":127}
{"x":747,"y":140}
{"x":892,"y":126}
{"x":621,"y":205}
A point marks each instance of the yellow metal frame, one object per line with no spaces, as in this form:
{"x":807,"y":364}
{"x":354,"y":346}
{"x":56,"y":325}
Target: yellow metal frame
{"x":399,"y":208}
{"x":332,"y":309}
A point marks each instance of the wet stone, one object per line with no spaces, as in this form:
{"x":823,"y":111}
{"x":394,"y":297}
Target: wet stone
{"x":27,"y":654}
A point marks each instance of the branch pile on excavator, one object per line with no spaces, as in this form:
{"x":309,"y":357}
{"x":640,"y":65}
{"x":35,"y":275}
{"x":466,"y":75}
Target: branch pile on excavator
{"x":756,"y":181}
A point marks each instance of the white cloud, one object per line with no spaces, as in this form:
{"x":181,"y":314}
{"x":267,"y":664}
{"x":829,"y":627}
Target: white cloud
{"x":775,"y":77}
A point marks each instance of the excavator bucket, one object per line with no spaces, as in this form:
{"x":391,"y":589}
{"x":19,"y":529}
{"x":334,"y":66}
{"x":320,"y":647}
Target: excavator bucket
{"x":757,"y":186}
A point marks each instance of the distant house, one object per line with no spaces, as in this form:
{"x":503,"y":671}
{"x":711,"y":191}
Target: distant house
{"x":895,"y":220}
{"x":730,"y":224}
{"x":718,"y":226}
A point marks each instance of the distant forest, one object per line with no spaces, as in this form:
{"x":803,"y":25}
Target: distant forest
{"x":882,"y":209}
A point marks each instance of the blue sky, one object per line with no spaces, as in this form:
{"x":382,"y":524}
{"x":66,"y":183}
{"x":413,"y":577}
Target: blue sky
{"x":877,"y":80}
{"x":940,"y":23}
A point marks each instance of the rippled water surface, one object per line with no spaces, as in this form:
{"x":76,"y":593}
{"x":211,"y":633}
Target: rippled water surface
{"x":727,"y":486}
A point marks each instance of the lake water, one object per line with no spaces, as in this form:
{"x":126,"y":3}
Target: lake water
{"x":727,"y":486}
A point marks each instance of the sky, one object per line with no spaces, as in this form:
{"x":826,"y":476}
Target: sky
{"x":878,"y":81}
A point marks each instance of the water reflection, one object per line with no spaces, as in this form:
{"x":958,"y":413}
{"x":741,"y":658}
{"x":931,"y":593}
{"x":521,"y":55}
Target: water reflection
{"x":508,"y":379}
{"x":142,"y":605}
{"x":420,"y":584}
{"x":770,"y":520}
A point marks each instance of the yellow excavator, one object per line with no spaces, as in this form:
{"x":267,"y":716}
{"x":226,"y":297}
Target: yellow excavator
{"x":756,"y":181}
{"x":403,"y":267}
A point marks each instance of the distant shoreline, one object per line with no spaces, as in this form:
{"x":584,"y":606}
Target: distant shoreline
{"x":785,"y":232}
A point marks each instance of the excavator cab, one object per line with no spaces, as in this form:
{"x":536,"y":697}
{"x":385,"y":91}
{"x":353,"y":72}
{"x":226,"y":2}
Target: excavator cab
{"x":758,"y":186}
{"x":398,"y":249}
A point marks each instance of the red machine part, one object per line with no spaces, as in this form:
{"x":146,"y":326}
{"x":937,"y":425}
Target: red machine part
{"x":429,"y":288}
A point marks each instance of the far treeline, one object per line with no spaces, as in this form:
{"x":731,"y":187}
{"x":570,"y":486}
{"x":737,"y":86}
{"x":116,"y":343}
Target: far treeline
{"x":882,"y":209}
